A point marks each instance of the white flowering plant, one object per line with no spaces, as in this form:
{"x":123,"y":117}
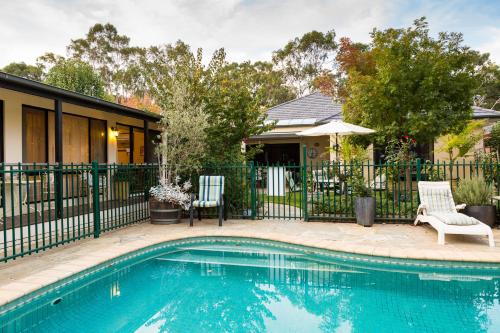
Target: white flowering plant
{"x":174,"y":193}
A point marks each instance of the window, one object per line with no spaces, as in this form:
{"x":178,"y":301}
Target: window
{"x":75,"y":139}
{"x":98,"y":139}
{"x":34,"y":135}
{"x":130,"y":144}
{"x":84,"y":139}
{"x":123,"y":142}
{"x":138,"y":143}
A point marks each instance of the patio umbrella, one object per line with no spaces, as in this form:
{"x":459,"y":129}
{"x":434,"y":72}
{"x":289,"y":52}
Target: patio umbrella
{"x":336,"y":127}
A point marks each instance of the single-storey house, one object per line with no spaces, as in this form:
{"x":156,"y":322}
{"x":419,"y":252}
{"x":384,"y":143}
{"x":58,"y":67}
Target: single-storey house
{"x":283,"y":145}
{"x":45,"y":124}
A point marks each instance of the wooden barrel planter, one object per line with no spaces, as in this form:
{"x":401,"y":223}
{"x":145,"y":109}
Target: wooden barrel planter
{"x":164,"y":212}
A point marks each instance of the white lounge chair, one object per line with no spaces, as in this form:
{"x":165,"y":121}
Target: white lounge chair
{"x":439,"y":210}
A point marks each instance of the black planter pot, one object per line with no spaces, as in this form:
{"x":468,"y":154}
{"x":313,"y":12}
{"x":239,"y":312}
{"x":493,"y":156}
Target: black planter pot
{"x":365,"y":211}
{"x":485,"y":214}
{"x":164,"y":212}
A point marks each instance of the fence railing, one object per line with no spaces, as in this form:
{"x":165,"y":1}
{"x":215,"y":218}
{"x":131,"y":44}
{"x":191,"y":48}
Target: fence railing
{"x":47,"y":205}
{"x":323,"y":190}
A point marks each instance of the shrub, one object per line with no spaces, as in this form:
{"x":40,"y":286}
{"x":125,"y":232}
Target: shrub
{"x":474,"y":192}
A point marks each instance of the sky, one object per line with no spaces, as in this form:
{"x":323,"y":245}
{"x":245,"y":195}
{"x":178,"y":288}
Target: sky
{"x":247,"y":29}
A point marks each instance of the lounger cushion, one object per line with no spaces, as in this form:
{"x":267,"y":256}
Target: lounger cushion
{"x":454,"y":218}
{"x":200,"y":203}
{"x":438,"y":200}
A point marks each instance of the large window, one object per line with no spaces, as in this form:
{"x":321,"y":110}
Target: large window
{"x":84,"y":139}
{"x":34,"y":135}
{"x":98,"y":140}
{"x":130,"y":144}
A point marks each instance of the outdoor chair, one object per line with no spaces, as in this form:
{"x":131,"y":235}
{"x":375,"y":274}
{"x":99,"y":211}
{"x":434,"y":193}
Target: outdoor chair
{"x":292,"y":185}
{"x":321,"y":180}
{"x":439,"y":210}
{"x":211,"y":194}
{"x":379,"y":183}
{"x":102,"y":188}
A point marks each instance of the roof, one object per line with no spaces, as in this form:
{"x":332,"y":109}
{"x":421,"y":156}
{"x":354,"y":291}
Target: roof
{"x":318,"y":108}
{"x":484,"y":113}
{"x":307,"y":110}
{"x":13,"y":82}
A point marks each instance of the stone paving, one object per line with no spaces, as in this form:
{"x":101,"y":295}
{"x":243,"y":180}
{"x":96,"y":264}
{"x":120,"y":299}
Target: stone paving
{"x":24,"y":275}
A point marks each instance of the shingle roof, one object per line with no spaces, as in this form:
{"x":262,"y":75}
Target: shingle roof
{"x":310,"y":109}
{"x":319,"y":108}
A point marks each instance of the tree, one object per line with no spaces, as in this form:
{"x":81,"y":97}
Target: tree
{"x":488,"y":93}
{"x":23,"y":70}
{"x":419,"y":86}
{"x":264,"y":81}
{"x":110,"y":55}
{"x":234,"y":111}
{"x":183,"y":125}
{"x":459,"y":144}
{"x":493,"y":140}
{"x":76,"y":76}
{"x":305,"y":58}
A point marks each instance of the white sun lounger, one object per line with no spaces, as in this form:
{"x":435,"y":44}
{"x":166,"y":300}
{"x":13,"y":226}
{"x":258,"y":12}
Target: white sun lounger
{"x":439,"y":210}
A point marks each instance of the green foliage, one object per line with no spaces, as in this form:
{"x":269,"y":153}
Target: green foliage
{"x":305,"y":58}
{"x":488,"y":93}
{"x":23,"y":70}
{"x":76,"y":76}
{"x":419,"y":86}
{"x":110,"y":55}
{"x":474,"y":192}
{"x":457,"y":145}
{"x":182,"y":125}
{"x":351,"y":151}
{"x":266,"y":83}
{"x":493,"y":140}
{"x":357,"y":182}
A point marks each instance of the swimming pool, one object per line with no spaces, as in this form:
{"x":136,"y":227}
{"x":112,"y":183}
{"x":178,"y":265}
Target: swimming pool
{"x":245,"y":285}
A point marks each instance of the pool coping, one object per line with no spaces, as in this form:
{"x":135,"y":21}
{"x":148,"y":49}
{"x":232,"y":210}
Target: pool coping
{"x":87,"y":260}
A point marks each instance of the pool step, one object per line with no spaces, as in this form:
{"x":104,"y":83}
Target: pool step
{"x":272,"y":261}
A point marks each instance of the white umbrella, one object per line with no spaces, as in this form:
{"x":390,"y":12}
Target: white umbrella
{"x":336,"y":127}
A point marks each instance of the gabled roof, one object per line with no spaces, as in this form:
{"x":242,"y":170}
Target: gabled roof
{"x":307,"y":110}
{"x":318,"y":108}
{"x":20,"y":84}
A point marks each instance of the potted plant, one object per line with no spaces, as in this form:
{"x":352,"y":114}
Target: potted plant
{"x":180,"y":151}
{"x":476,"y":194}
{"x":167,"y":201}
{"x":364,"y":202}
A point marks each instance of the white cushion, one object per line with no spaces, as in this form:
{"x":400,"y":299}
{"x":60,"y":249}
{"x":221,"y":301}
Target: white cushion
{"x":200,"y":203}
{"x":454,"y":218}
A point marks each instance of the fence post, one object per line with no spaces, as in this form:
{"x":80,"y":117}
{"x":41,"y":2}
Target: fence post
{"x":304,"y":182}
{"x":419,"y":169}
{"x":95,"y":199}
{"x":253,"y":190}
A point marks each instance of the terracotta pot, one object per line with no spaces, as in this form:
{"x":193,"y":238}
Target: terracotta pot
{"x":485,"y":214}
{"x":164,"y":212}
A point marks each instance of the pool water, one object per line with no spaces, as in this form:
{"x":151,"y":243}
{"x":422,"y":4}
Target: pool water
{"x":241,"y":285}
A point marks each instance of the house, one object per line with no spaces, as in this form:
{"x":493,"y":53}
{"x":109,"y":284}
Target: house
{"x":284,"y":146}
{"x":44,"y":124}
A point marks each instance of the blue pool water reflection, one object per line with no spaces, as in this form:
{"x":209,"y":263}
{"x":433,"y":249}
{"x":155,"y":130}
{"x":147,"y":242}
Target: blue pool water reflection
{"x":242,"y":286}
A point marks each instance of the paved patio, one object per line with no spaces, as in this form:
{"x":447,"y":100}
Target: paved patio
{"x":27,"y":274}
